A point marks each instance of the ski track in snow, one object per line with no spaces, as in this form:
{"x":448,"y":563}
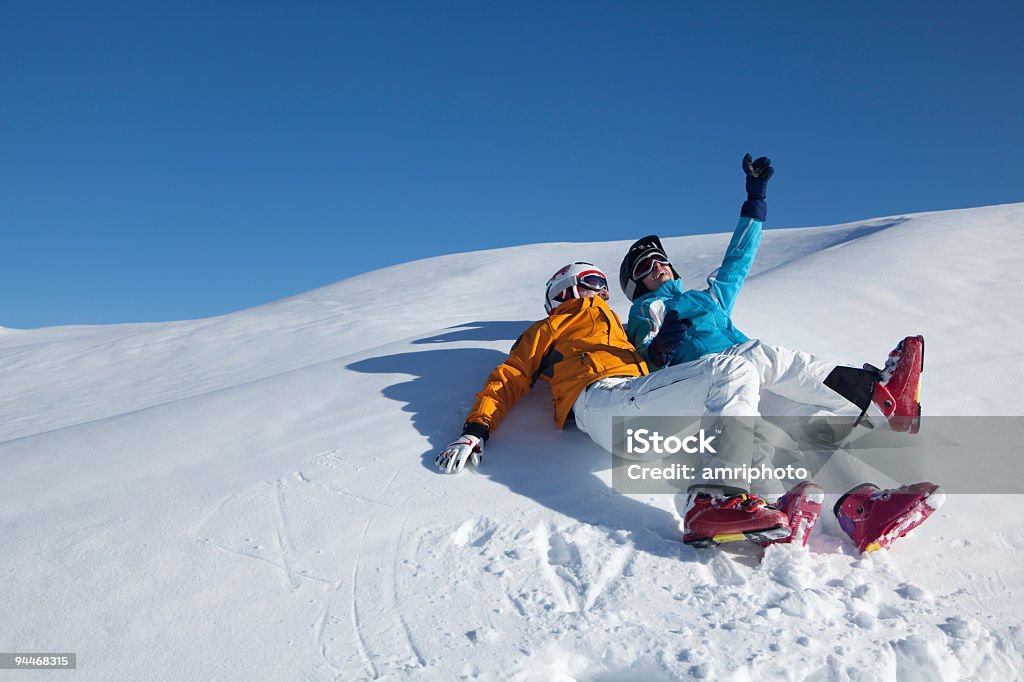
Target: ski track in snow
{"x":357,"y":624}
{"x":369,"y":637}
{"x":284,"y":544}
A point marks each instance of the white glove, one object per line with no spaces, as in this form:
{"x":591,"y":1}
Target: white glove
{"x":453,"y":458}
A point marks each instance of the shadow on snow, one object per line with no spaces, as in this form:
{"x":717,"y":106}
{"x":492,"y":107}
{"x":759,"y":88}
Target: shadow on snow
{"x":528,"y":455}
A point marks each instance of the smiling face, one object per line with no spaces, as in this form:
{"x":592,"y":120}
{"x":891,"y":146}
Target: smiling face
{"x":661,"y":273}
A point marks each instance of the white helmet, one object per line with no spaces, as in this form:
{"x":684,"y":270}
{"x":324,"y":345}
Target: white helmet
{"x":566,"y":283}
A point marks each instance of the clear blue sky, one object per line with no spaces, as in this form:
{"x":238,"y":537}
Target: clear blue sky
{"x":178,"y":160}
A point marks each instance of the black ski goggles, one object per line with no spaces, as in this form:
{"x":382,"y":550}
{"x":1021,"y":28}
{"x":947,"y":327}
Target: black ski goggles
{"x":593,"y":282}
{"x":645,"y":265}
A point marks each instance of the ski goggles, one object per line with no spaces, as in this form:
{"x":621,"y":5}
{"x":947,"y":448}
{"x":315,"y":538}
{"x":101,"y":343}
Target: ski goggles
{"x":645,"y":265}
{"x":593,"y":282}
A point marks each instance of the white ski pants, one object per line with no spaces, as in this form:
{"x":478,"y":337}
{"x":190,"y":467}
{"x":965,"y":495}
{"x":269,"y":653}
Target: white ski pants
{"x":729,"y":384}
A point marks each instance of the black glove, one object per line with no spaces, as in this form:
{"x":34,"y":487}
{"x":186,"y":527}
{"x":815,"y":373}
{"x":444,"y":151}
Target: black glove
{"x":758,"y":174}
{"x":664,"y":345}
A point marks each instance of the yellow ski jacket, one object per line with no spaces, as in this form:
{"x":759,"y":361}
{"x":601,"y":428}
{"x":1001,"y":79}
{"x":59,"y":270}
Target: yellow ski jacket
{"x":581,"y":341}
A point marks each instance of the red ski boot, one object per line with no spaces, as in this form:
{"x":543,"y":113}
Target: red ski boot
{"x":898,"y":391}
{"x":713,"y":518}
{"x":874,"y":518}
{"x":802,"y":506}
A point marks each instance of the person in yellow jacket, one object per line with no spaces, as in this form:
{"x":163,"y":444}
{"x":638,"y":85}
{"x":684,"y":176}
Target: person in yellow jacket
{"x":581,"y":349}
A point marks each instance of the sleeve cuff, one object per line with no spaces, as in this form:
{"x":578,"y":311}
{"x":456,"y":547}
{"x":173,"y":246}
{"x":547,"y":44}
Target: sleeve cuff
{"x":754,"y":208}
{"x":481,"y":431}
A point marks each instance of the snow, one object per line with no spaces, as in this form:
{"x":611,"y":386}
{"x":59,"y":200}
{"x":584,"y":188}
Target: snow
{"x":253,"y":496}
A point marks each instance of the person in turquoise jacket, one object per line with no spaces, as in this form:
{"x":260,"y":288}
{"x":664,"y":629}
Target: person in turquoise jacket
{"x":685,"y":328}
{"x":699,"y":322}
{"x":671,"y":325}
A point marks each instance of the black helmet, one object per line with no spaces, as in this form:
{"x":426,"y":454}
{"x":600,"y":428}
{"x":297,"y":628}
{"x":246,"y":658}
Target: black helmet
{"x":641,"y":248}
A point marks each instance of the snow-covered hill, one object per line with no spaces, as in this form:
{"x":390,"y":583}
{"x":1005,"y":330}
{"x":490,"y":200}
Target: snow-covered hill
{"x":253,"y":496}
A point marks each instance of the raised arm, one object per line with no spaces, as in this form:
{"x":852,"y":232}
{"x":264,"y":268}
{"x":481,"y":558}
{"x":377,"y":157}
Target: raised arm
{"x":724,"y":283}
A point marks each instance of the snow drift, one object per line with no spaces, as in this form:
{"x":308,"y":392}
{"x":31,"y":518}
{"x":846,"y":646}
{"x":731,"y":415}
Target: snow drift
{"x":253,"y":495}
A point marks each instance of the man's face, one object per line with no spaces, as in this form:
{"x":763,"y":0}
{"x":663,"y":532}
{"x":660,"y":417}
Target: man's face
{"x":661,"y":273}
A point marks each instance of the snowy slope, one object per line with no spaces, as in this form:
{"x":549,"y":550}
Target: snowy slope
{"x":253,"y":496}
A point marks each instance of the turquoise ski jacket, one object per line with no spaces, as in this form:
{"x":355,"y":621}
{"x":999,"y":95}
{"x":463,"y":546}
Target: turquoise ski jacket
{"x":709,"y":311}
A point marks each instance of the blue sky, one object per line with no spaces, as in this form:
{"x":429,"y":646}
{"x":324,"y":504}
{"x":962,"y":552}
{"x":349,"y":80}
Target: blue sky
{"x":179,"y":160}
